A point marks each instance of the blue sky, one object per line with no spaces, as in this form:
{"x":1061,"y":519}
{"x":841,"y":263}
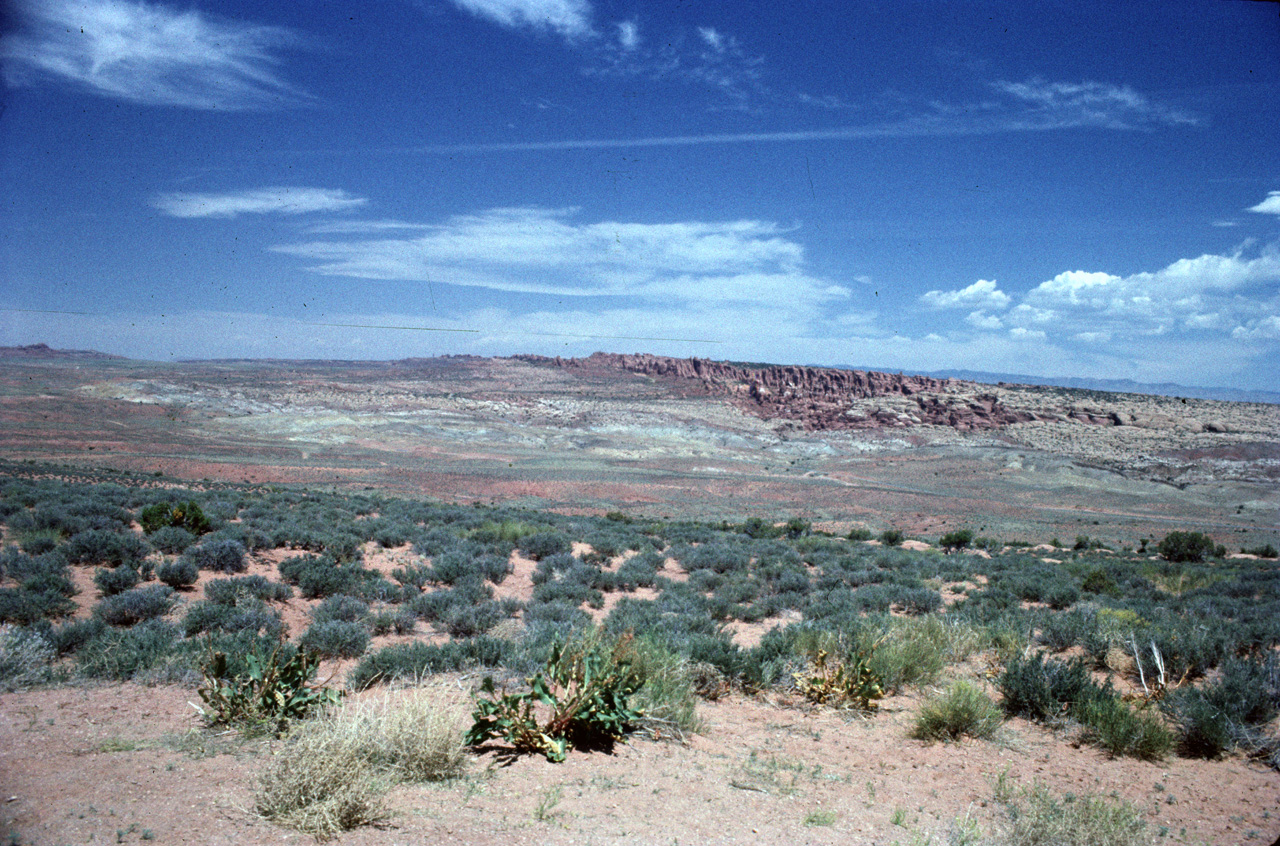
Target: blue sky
{"x":1074,"y":189}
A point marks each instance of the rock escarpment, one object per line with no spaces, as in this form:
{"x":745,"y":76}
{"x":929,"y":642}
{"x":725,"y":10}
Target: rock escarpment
{"x":821,"y":397}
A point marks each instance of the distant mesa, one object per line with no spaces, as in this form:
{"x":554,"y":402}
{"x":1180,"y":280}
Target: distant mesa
{"x":46,"y":351}
{"x":821,"y":398}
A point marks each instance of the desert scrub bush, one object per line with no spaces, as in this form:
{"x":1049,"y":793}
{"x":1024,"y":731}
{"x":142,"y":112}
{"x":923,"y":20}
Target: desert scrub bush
{"x":179,"y":574}
{"x":105,"y":548}
{"x":117,"y":580}
{"x":220,"y":556}
{"x":136,"y":605}
{"x":956,"y":540}
{"x":348,"y":609}
{"x":1188,"y":546}
{"x":322,"y":782}
{"x":172,"y":539}
{"x":150,"y":649}
{"x":415,"y":660}
{"x":267,"y":690}
{"x":585,"y":687}
{"x":541,"y":544}
{"x":963,"y":709}
{"x":914,"y":650}
{"x":26,"y":657}
{"x":891,"y":537}
{"x":184,"y":515}
{"x":1263,"y":551}
{"x":1120,"y":730}
{"x":237,"y":590}
{"x":1040,"y":689}
{"x":250,"y":616}
{"x":1215,"y":717}
{"x":335,"y":639}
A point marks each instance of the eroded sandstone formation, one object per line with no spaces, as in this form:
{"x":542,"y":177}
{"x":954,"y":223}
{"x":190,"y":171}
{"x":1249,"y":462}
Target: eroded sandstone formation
{"x":821,"y":397}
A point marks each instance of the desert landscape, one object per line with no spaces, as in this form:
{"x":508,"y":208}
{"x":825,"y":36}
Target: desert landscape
{"x":727,"y":528}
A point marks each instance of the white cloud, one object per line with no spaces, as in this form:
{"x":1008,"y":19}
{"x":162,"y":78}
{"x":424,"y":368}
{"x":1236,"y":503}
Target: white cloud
{"x":1271,"y":205}
{"x":570,"y":18}
{"x":148,"y":53}
{"x":711,"y":38}
{"x":982,"y":320}
{"x":628,"y":35}
{"x":1266,"y":328}
{"x":1068,"y":104}
{"x":273,"y":200}
{"x":1024,"y":334}
{"x":730,"y":275}
{"x":981,"y":294}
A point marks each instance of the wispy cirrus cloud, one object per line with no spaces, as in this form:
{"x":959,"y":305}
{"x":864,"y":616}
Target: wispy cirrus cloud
{"x":148,"y":53}
{"x":546,"y":251}
{"x":570,"y":18}
{"x":1050,"y":105}
{"x":1022,"y":109}
{"x":270,"y":200}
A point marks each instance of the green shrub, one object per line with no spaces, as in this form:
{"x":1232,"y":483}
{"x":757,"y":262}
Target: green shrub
{"x":962,"y":710}
{"x":959,"y":539}
{"x":150,"y":648}
{"x":1041,"y":689}
{"x":236,"y":590}
{"x":859,"y":534}
{"x":1111,"y":724}
{"x":1265,"y":551}
{"x":891,"y":537}
{"x":184,"y":515}
{"x":542,"y":544}
{"x":1187,"y":546}
{"x":1214,"y":717}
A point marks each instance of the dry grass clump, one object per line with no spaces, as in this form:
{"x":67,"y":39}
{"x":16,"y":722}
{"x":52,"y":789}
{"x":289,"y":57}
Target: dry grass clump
{"x":1042,"y":819}
{"x":323,"y":782}
{"x":334,"y":770}
{"x":962,"y":710}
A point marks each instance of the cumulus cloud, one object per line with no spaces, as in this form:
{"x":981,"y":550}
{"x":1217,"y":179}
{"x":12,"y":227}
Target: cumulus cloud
{"x":982,"y":320}
{"x":1271,"y":205}
{"x":272,"y":200}
{"x":982,"y":294}
{"x":148,"y":53}
{"x":570,"y":18}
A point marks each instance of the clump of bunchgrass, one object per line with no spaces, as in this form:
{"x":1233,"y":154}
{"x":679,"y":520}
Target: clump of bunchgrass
{"x":322,"y":782}
{"x":1042,"y":819}
{"x":963,"y":709}
{"x":334,"y":770}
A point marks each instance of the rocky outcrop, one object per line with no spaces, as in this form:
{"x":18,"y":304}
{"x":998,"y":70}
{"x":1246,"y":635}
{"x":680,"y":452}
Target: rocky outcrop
{"x":821,"y":397}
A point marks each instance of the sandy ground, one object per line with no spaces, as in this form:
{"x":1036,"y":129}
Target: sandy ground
{"x":126,"y":763}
